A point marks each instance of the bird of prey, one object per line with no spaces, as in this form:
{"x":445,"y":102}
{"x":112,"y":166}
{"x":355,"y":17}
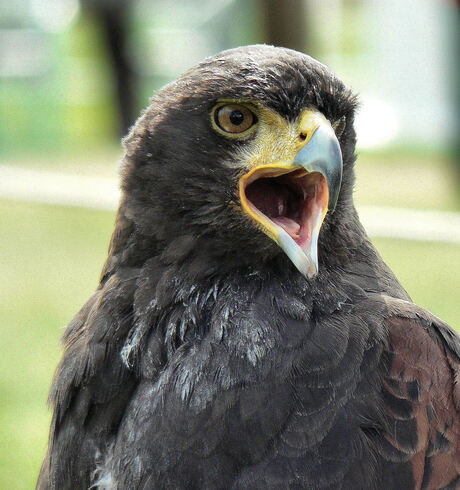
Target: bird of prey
{"x":245,"y":333}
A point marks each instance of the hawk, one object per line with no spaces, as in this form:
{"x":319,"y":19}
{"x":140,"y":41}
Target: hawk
{"x":245,"y":333}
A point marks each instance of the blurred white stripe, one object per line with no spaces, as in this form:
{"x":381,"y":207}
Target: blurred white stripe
{"x":411,"y":224}
{"x":58,"y":188}
{"x":102,"y":193}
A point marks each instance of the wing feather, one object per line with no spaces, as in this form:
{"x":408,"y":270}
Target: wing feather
{"x":421,"y":395}
{"x":91,"y":386}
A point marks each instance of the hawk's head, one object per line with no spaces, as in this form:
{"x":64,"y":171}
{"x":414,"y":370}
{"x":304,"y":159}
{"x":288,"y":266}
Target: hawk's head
{"x":246,"y":156}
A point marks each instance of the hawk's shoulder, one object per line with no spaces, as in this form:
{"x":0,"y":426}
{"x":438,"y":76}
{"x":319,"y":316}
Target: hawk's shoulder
{"x":421,"y":393}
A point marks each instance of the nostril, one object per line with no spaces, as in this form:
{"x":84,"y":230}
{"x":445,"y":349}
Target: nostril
{"x":303,"y":136}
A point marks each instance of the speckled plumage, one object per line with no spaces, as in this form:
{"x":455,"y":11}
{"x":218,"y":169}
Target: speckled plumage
{"x":206,"y":360}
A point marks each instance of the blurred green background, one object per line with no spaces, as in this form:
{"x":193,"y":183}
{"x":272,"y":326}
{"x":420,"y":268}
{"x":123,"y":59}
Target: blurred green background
{"x":60,"y":113}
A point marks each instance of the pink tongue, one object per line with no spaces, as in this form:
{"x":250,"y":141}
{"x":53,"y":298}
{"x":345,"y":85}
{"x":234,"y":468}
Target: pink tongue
{"x":288,"y":224}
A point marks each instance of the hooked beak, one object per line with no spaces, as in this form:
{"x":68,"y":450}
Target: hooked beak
{"x":290,"y":199}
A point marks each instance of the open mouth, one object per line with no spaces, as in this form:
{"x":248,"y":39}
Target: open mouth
{"x":291,"y":199}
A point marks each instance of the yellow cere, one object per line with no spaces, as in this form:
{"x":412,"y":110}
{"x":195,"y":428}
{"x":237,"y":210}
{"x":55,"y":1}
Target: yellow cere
{"x":277,"y":140}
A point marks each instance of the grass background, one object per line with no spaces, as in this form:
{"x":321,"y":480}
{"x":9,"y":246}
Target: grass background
{"x":51,"y":256}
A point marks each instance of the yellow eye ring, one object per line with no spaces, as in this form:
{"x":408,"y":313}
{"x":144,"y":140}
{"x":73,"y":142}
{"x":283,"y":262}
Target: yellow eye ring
{"x":234,"y":120}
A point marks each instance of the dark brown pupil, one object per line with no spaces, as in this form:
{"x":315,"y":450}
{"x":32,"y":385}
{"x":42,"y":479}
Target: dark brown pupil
{"x":236,"y":117}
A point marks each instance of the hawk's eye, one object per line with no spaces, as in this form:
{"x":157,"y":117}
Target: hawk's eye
{"x":234,"y":118}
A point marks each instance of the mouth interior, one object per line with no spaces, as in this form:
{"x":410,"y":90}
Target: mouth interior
{"x":295,"y":201}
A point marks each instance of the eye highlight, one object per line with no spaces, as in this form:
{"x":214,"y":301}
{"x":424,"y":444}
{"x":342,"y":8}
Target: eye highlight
{"x":233,"y":119}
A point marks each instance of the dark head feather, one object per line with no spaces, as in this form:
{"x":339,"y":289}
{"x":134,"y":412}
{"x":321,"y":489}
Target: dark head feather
{"x":178,"y":193}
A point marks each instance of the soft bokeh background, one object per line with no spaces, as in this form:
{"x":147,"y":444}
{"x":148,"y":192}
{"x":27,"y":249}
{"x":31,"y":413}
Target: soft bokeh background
{"x":74,"y":75}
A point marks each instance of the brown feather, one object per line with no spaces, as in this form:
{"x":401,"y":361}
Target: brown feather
{"x":423,"y":374}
